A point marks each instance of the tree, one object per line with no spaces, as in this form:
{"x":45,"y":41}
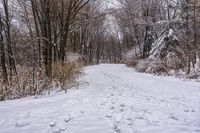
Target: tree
{"x":2,"y":51}
{"x":7,"y":30}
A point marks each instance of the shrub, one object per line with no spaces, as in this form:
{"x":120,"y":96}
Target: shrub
{"x":152,"y":66}
{"x":132,"y":62}
{"x":142,"y":66}
{"x":64,"y":77}
{"x":158,"y":68}
{"x":175,"y":62}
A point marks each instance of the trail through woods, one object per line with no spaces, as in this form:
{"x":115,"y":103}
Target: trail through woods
{"x":110,"y":99}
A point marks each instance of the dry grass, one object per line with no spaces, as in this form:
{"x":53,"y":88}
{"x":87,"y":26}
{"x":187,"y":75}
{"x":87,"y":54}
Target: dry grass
{"x":158,"y":68}
{"x":132,"y":63}
{"x":64,"y":76}
{"x":152,"y":66}
{"x":142,"y":65}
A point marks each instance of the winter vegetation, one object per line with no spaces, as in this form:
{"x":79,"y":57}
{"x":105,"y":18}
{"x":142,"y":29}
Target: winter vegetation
{"x":99,"y":66}
{"x":38,"y":37}
{"x":112,"y":99}
{"x":162,"y":36}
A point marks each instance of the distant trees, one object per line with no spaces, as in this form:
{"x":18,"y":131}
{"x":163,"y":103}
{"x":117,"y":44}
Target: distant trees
{"x":36,"y":37}
{"x":136,"y":21}
{"x":52,"y":21}
{"x":158,"y":28}
{"x":88,"y":36}
{"x":91,"y":37}
{"x":6,"y":30}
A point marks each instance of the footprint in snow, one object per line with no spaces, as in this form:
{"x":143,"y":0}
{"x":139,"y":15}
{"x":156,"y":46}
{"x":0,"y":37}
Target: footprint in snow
{"x":57,"y":130}
{"x":122,"y":105}
{"x":112,"y":95}
{"x":27,"y":115}
{"x":121,"y":110}
{"x":116,"y":128}
{"x":52,"y":124}
{"x":67,"y":120}
{"x":22,"y":124}
{"x":193,"y":111}
{"x":82,"y":112}
{"x":118,"y":118}
{"x":102,"y":104}
{"x":129,"y":121}
{"x":113,"y":102}
{"x":173,"y":117}
{"x":187,"y":110}
{"x":109,"y":115}
{"x":112,"y":108}
{"x":108,"y":96}
{"x":140,"y":118}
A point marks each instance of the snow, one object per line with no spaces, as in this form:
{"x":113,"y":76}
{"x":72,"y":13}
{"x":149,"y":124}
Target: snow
{"x":111,"y":99}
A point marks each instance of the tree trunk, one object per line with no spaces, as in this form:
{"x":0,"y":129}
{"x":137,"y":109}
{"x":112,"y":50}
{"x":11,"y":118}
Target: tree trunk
{"x":2,"y":51}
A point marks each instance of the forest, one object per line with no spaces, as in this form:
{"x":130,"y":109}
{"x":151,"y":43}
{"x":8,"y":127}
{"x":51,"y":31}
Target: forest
{"x":44,"y":44}
{"x":99,"y":66}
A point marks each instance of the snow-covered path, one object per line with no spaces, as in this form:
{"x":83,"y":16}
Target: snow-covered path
{"x":115,"y":100}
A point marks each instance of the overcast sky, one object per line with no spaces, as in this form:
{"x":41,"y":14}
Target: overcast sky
{"x":112,"y":26}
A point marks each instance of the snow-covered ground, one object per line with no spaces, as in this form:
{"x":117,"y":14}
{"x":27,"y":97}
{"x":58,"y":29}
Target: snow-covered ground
{"x":111,"y":99}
